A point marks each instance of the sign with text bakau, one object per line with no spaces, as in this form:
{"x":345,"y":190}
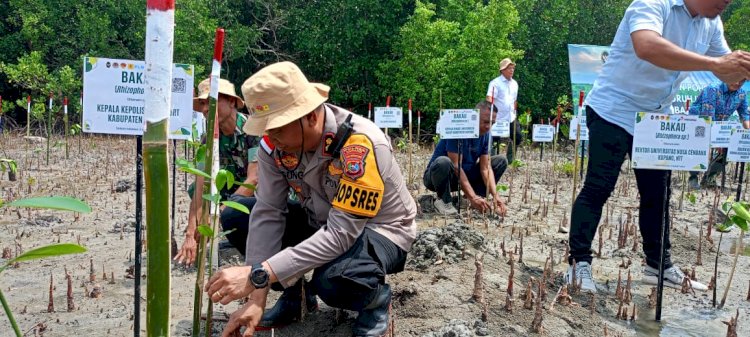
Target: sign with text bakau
{"x":113,"y":97}
{"x":671,"y":142}
{"x":458,"y":123}
{"x":389,"y":117}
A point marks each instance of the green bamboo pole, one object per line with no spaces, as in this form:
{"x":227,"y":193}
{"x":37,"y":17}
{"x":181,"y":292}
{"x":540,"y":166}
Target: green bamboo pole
{"x":212,"y":145}
{"x":214,"y":168}
{"x":158,"y":97}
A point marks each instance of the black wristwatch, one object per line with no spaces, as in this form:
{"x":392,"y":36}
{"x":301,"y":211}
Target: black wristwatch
{"x":258,"y":276}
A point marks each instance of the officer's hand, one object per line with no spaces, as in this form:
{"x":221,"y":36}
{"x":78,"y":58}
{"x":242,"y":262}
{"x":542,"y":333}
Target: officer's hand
{"x":479,"y":204}
{"x":500,"y":208}
{"x":732,"y":68}
{"x":186,"y":255}
{"x":248,"y":316}
{"x":229,"y":284}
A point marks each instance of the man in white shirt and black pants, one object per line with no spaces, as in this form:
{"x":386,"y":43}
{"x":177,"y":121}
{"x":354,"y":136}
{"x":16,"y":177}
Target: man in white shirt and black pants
{"x":505,"y":91}
{"x":657,"y":43}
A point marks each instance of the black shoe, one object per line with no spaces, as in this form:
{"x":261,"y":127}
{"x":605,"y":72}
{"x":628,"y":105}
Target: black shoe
{"x":288,"y":308}
{"x":374,"y":320}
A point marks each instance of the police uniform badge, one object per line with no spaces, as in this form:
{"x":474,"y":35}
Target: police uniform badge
{"x":289,"y":161}
{"x":334,"y":169}
{"x":328,"y":143}
{"x":353,"y":157}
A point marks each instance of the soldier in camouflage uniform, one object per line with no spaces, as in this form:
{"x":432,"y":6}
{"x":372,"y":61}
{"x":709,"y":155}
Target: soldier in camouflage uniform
{"x":236,"y":155}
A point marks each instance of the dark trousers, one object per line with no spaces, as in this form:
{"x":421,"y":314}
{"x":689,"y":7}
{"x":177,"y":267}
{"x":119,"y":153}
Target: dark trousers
{"x":348,"y":282}
{"x":231,"y":218}
{"x":441,"y":178}
{"x":515,"y":128}
{"x":717,"y":165}
{"x":352,"y":280}
{"x":607,"y":149}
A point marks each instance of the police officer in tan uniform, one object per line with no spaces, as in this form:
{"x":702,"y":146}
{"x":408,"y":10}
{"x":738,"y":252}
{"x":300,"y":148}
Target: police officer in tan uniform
{"x":359,"y":216}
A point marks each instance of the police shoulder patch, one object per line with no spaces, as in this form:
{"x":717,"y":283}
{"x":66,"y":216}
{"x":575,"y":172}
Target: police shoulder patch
{"x":361,"y":187}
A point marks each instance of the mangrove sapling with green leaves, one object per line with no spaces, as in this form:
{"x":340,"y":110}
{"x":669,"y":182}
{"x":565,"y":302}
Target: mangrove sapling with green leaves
{"x":737,"y":214}
{"x":54,"y":203}
{"x":224,"y":179}
{"x":9,"y":165}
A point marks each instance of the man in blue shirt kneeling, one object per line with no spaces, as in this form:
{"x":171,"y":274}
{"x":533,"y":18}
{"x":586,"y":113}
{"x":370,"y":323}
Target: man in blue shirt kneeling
{"x":478,"y":170}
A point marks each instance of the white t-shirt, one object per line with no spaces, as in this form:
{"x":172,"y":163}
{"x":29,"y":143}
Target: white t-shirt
{"x":505,"y":93}
{"x":628,"y":84}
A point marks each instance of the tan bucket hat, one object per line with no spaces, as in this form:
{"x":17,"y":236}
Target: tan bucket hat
{"x":505,"y":63}
{"x":225,"y":87}
{"x":278,"y":95}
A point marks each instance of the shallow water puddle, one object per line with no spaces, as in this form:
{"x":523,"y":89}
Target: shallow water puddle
{"x":685,"y":322}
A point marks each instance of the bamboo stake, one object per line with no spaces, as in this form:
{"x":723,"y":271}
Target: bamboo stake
{"x":65,"y":120}
{"x":419,"y":124}
{"x":158,"y":98}
{"x":212,"y":144}
{"x":28,"y":115}
{"x":212,"y":257}
{"x":411,"y":178}
{"x":49,"y":125}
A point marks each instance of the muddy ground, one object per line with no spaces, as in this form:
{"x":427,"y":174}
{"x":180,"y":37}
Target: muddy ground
{"x":433,"y":297}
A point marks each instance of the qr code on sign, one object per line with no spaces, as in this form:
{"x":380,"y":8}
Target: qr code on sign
{"x":178,"y":85}
{"x":700,"y":132}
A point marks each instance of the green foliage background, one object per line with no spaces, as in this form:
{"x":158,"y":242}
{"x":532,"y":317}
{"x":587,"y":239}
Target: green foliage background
{"x":365,"y":50}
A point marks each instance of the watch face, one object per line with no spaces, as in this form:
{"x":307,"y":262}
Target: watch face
{"x":259,"y":277}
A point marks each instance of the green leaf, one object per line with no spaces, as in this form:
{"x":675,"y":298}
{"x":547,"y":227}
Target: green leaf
{"x":224,"y":233}
{"x":181,"y":162}
{"x":206,"y":231}
{"x":246,"y":185}
{"x":195,"y":171}
{"x":236,"y":205}
{"x":215,"y":198}
{"x":502,"y":187}
{"x":221,"y":179}
{"x":691,"y":197}
{"x":58,"y":203}
{"x":48,"y":251}
{"x":230,"y":180}
{"x":740,"y":222}
{"x":741,"y":211}
{"x":200,"y":154}
{"x":726,"y":206}
{"x":725,"y":227}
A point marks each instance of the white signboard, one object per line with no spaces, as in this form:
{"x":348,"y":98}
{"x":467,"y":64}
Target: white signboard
{"x":501,"y":128}
{"x":739,"y":146}
{"x":458,"y":124}
{"x":389,"y":117}
{"x":575,"y":123}
{"x":113,"y":97}
{"x":721,"y":131}
{"x":543,"y":133}
{"x":671,"y":142}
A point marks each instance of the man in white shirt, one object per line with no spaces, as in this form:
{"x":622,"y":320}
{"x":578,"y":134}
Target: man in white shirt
{"x":504,"y":89}
{"x":656,"y":44}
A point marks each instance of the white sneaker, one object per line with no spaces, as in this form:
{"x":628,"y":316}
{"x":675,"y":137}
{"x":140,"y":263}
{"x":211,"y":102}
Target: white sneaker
{"x":672,"y":278}
{"x":583,"y":276}
{"x":445,"y":208}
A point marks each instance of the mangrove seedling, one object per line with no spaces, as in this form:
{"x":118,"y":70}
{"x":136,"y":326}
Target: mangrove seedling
{"x":737,"y":215}
{"x":10,"y":166}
